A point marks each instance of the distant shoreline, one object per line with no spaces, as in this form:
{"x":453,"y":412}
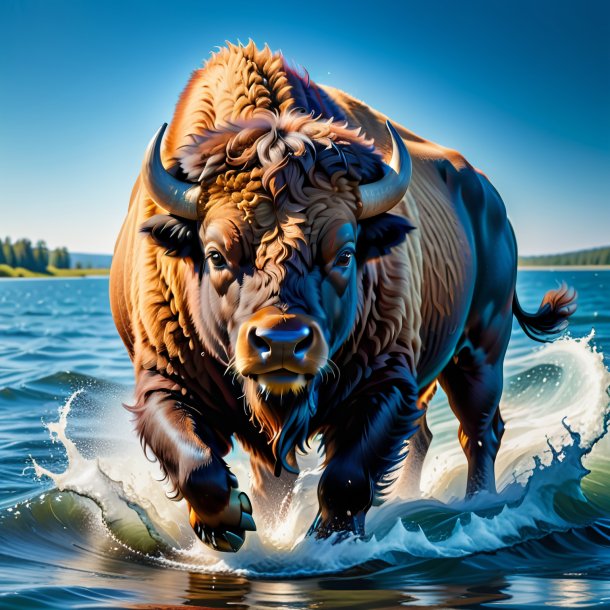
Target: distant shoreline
{"x":563,"y":267}
{"x":94,"y":276}
{"x":14,"y":273}
{"x":62,"y":274}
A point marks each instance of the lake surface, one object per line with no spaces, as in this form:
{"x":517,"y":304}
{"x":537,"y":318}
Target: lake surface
{"x":85,"y":522}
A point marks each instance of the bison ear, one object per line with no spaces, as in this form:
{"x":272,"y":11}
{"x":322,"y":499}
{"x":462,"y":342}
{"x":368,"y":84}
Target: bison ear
{"x":379,"y":234}
{"x":177,"y":235}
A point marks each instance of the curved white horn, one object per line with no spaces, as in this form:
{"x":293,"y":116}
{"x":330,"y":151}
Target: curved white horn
{"x":179,"y":198}
{"x":383,"y":195}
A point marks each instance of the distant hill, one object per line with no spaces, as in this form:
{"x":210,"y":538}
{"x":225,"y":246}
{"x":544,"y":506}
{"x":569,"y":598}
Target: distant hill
{"x":85,"y":260}
{"x":594,"y":256}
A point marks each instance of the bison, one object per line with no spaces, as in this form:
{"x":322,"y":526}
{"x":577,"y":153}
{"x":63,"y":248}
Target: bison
{"x":294,"y":267}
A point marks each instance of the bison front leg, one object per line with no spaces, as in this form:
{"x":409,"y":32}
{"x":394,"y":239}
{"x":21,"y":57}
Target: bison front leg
{"x":219,"y":512}
{"x":219,"y":519}
{"x":364,"y":445}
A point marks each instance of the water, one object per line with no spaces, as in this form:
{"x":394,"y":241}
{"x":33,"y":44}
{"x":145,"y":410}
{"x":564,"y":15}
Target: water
{"x":85,"y":523}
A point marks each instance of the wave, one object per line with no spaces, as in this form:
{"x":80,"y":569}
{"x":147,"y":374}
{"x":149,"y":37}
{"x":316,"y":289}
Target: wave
{"x":552,"y":478}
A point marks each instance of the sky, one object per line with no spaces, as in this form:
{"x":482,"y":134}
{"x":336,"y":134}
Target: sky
{"x":521,"y":88}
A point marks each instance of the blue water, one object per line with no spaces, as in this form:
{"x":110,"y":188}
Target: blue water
{"x":85,"y":523}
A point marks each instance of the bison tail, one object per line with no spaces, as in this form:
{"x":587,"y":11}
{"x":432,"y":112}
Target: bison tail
{"x":551,"y":319}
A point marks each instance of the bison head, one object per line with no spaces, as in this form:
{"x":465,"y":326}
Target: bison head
{"x":280,"y":214}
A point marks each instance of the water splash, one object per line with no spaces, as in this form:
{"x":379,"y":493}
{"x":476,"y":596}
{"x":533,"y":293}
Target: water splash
{"x":556,"y":408}
{"x":126,"y":491}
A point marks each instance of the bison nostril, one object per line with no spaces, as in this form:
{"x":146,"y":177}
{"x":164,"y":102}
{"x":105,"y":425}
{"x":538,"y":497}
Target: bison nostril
{"x":302,"y":346}
{"x":258,"y":343}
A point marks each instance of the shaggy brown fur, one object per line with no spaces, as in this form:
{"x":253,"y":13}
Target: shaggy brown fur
{"x":279,"y":180}
{"x":237,"y":122}
{"x":247,"y":83}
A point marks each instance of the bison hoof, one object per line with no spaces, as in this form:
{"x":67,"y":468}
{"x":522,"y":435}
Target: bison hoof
{"x":228,"y":531}
{"x":342,"y":527}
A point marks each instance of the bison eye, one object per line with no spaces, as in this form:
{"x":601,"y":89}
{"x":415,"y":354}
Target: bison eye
{"x":344,"y":258}
{"x":217,"y":259}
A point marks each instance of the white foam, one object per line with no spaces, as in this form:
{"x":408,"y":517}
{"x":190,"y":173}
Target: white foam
{"x":539,"y":458}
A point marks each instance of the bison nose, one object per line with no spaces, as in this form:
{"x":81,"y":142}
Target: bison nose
{"x":273,"y":342}
{"x":289,"y":339}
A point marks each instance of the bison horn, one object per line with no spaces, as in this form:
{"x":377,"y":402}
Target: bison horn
{"x":383,"y":195}
{"x":177,"y":197}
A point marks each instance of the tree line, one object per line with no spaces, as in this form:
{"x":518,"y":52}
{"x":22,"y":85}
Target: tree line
{"x":595,"y":256}
{"x":34,"y":257}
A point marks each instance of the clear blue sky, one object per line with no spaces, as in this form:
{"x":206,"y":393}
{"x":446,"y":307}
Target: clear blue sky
{"x":521,"y":88}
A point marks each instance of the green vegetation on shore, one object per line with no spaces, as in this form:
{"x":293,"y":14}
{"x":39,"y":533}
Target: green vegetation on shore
{"x":24,"y":259}
{"x":37,"y":258}
{"x":592,"y":257}
{"x":6,"y":271}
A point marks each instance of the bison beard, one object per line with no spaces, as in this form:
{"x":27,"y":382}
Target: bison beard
{"x":285,"y":418}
